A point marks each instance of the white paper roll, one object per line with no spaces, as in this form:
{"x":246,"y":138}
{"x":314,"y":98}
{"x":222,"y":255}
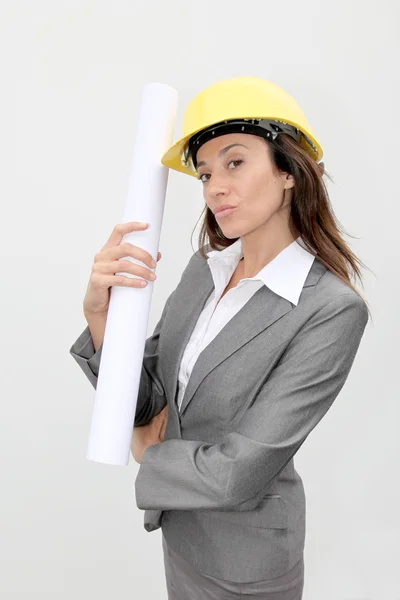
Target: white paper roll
{"x":126,"y":328}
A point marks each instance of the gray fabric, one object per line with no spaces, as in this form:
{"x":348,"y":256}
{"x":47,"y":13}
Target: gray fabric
{"x":223,"y":485}
{"x":151,"y":398}
{"x":185,"y":583}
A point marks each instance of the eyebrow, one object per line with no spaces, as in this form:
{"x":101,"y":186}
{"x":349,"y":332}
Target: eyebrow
{"x":221,"y":152}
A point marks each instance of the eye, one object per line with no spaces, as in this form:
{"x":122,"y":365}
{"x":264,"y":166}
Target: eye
{"x":235,"y":161}
{"x":200,"y":177}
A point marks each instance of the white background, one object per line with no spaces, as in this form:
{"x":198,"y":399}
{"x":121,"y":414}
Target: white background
{"x":71,"y":77}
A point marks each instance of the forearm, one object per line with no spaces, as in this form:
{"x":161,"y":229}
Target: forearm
{"x":97,"y":325}
{"x":150,"y":401}
{"x":235,"y":473}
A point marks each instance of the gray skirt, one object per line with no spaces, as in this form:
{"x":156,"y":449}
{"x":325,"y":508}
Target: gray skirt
{"x":185,"y":583}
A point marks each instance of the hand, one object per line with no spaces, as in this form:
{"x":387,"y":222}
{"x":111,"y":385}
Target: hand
{"x":147,"y":435}
{"x":109,"y":261}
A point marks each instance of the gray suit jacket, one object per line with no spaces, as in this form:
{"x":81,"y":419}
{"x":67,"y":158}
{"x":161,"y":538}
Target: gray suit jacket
{"x":223,"y":485}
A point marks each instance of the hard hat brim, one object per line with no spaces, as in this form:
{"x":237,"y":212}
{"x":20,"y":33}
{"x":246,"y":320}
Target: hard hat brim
{"x":172,"y":158}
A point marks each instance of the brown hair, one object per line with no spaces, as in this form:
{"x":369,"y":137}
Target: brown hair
{"x":311,"y":213}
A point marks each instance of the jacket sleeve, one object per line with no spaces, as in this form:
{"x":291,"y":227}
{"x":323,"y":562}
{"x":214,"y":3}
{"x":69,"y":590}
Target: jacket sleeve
{"x":151,"y":397}
{"x":236,"y":473}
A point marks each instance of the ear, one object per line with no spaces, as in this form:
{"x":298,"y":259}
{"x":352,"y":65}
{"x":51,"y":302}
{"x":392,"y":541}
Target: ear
{"x":289,"y":181}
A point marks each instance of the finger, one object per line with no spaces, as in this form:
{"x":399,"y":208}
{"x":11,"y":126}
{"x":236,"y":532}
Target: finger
{"x":122,"y":229}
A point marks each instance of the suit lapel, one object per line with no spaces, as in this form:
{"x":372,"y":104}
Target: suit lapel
{"x":262,"y":310}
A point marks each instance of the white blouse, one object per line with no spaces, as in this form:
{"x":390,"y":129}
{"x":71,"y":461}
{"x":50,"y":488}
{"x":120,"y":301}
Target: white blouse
{"x":285,"y":275}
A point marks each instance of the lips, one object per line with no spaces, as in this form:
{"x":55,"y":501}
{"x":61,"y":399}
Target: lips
{"x":217,"y":210}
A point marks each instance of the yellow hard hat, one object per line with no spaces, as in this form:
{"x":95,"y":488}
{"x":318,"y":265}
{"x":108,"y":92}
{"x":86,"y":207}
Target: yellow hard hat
{"x":240,"y":104}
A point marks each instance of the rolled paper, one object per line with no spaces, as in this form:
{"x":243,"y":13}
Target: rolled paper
{"x":120,"y":368}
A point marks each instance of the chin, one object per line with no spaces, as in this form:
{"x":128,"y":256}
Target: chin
{"x":231,"y":232}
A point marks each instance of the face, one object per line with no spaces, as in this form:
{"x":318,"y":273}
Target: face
{"x":236,"y":169}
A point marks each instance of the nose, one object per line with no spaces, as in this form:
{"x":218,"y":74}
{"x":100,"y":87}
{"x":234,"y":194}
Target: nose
{"x":217,"y":186}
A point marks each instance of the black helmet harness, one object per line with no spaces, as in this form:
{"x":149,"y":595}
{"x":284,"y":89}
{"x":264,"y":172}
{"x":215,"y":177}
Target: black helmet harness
{"x":266,"y":128}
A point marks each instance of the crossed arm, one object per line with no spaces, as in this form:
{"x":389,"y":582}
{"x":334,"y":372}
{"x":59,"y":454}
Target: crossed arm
{"x":235,"y":473}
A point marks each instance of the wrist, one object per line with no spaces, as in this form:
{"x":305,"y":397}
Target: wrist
{"x":95,"y":315}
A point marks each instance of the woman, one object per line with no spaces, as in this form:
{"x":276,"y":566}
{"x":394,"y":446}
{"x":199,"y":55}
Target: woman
{"x":251,"y":350}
